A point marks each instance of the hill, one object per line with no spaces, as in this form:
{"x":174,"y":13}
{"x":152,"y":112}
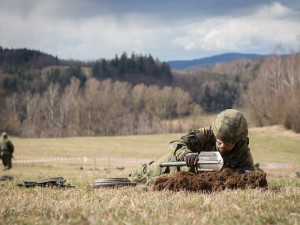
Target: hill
{"x":20,"y":57}
{"x":135,"y":69}
{"x":44,"y":96}
{"x":198,"y":64}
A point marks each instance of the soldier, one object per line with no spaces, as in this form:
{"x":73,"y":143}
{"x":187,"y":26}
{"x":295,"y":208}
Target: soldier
{"x":257,"y":168}
{"x":7,"y":150}
{"x":228,"y":135}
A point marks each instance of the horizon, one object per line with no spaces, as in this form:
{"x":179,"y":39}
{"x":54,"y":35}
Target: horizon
{"x":226,"y":53}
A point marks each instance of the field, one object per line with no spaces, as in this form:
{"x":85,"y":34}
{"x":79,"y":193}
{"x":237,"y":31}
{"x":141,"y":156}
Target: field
{"x":276,"y":149}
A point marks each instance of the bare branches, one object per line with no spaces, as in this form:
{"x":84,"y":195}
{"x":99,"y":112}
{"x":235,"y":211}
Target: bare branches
{"x":100,"y":108}
{"x":274,"y":95}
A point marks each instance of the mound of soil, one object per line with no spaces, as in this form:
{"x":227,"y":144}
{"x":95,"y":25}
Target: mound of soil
{"x":210,"y":181}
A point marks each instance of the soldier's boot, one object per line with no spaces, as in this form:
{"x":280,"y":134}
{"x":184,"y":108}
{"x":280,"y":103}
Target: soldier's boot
{"x":7,"y":167}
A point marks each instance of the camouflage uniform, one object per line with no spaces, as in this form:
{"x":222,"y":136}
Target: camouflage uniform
{"x":7,"y":150}
{"x":229,"y":126}
{"x":257,"y":168}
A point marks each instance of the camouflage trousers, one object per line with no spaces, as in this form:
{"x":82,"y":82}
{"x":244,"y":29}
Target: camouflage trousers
{"x":6,"y":160}
{"x":147,"y":173}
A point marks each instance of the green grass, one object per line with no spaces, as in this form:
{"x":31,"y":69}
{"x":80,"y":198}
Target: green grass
{"x":280,"y":204}
{"x":143,"y":146}
{"x":266,"y":146}
{"x":274,"y":145}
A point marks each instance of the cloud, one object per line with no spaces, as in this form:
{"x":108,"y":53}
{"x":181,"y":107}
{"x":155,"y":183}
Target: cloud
{"x":269,"y":25}
{"x":89,"y":30}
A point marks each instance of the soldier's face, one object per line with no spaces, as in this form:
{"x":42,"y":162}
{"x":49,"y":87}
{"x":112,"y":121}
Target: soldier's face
{"x":224,"y":146}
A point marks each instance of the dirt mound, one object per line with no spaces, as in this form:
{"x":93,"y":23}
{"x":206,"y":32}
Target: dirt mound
{"x":210,"y":181}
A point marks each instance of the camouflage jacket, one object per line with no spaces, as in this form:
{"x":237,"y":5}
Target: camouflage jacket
{"x":6,"y":146}
{"x":239,"y":158}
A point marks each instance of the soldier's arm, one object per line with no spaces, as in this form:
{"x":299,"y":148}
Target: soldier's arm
{"x":246,"y":162}
{"x":178,"y":148}
{"x":188,"y":143}
{"x":11,"y":146}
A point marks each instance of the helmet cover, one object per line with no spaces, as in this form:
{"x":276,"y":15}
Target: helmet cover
{"x":230,"y":126}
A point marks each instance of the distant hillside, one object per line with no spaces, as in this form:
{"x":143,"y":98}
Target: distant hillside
{"x":25,"y":69}
{"x":197,"y":64}
{"x":21,"y":57}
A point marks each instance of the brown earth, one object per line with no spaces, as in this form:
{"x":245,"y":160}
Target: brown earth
{"x":210,"y":181}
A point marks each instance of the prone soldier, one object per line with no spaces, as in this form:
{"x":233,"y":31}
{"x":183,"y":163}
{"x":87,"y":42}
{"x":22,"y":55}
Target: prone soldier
{"x":228,"y":134}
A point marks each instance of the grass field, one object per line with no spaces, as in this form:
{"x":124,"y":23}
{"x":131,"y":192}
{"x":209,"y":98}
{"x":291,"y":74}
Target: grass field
{"x":276,"y":149}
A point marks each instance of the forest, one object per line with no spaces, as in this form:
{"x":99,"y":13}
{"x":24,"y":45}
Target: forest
{"x":43,"y":96}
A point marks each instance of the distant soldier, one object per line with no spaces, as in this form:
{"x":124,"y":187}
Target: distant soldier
{"x":257,"y":168}
{"x":228,"y":135}
{"x":7,"y":149}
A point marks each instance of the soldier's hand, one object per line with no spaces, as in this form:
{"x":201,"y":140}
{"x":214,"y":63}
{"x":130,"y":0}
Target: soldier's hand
{"x":191,"y":159}
{"x":181,"y":157}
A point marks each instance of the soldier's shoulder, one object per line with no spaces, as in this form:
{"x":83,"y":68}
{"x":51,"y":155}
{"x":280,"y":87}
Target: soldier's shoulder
{"x":206,"y":130}
{"x":243,"y":150}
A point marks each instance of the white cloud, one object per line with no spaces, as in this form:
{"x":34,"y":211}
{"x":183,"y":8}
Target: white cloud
{"x":269,"y":26}
{"x":275,"y":10}
{"x":44,"y":26}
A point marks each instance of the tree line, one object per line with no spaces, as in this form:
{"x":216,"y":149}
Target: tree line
{"x":273,"y":96}
{"x":137,"y":94}
{"x":130,"y":69}
{"x":98,"y":108}
{"x":221,"y":86}
{"x":213,"y":89}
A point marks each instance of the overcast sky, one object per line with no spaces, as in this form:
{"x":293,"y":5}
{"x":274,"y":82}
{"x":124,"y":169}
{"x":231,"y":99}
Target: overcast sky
{"x":166,"y":29}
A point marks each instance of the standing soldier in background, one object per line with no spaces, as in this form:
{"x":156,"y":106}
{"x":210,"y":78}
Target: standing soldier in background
{"x":257,"y":168}
{"x":228,"y":135}
{"x":7,"y":149}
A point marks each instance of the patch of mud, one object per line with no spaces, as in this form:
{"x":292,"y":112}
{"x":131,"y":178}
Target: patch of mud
{"x":210,"y":181}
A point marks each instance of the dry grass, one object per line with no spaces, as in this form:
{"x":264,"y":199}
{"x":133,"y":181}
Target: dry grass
{"x":280,"y":204}
{"x":133,"y":206}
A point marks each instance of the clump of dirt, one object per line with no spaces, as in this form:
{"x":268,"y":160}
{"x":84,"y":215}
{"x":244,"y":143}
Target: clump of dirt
{"x":210,"y":181}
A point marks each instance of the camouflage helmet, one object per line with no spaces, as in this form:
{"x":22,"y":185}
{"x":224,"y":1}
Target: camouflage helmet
{"x":4,"y":135}
{"x":230,"y":126}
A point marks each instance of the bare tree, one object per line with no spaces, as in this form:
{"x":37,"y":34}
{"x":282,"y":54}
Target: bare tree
{"x":151,"y":99}
{"x":274,"y":95}
{"x":91,"y":97}
{"x":183,"y":104}
{"x":49,"y":106}
{"x":137,"y":105}
{"x":11,"y":108}
{"x":66,"y":102}
{"x":105,"y":101}
{"x":33,"y":123}
{"x":119,"y":105}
